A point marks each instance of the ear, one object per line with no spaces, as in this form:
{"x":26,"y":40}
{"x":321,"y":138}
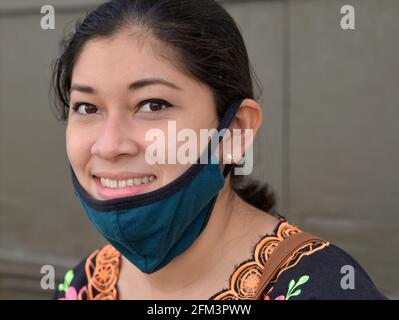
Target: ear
{"x":243,"y":129}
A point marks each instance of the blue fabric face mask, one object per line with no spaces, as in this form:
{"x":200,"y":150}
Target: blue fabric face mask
{"x":153,"y":228}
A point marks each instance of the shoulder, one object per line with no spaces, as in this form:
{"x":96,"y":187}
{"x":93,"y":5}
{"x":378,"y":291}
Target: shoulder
{"x":244,"y":280}
{"x":322,"y":270}
{"x":94,"y":278}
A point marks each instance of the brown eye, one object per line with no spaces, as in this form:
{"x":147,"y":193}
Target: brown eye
{"x":154,"y":105}
{"x":85,"y":108}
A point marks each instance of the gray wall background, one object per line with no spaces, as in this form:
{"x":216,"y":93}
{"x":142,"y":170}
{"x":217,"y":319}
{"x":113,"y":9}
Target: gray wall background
{"x":329,"y":145}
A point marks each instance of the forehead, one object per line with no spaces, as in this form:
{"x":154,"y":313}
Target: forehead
{"x":118,"y":58}
{"x":110,"y":65}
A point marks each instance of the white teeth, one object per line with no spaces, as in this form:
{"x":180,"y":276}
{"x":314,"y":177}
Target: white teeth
{"x":125,"y":183}
{"x":113,"y":183}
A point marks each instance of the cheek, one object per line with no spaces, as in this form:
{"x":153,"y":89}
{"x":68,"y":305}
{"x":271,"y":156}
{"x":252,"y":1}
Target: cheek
{"x":77,"y":148}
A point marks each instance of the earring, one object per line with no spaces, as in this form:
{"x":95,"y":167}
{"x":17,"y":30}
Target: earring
{"x":229,"y":157}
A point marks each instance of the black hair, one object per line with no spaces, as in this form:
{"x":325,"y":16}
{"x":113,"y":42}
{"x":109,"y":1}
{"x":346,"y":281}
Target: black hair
{"x":209,"y":47}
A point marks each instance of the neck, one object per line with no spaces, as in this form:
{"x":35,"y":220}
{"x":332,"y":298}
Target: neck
{"x":201,"y":257}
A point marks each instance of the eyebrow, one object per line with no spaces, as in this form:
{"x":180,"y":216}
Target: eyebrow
{"x":133,"y":86}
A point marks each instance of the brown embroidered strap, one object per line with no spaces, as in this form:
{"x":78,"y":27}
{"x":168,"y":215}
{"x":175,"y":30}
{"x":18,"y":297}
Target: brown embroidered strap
{"x":279,"y":257}
{"x":244,"y":280}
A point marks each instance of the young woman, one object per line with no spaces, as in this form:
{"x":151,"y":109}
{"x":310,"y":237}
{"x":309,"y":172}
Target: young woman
{"x":175,"y":231}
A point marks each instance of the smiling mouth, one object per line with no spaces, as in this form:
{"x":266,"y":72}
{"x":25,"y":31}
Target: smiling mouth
{"x":108,"y":189}
{"x":123,"y":184}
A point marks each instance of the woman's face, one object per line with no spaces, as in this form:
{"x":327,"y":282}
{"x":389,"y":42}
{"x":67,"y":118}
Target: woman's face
{"x":109,"y":116}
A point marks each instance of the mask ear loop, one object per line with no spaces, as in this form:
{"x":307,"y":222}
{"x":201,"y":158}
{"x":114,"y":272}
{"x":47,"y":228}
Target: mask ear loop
{"x":228,"y":117}
{"x":227,"y":169}
{"x":224,"y":124}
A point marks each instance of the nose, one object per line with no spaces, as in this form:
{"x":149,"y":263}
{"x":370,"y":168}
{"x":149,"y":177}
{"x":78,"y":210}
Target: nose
{"x":115,"y":139}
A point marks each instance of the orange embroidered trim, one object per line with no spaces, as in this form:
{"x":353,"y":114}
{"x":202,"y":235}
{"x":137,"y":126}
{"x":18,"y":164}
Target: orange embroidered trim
{"x":102,"y":275}
{"x":244,"y":281}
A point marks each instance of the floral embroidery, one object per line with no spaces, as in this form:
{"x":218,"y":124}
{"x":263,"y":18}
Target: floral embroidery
{"x":102,"y":276}
{"x":64,"y":287}
{"x":245,"y":279}
{"x":72,"y":294}
{"x":278,"y":298}
{"x":292,"y":286}
{"x":70,"y":291}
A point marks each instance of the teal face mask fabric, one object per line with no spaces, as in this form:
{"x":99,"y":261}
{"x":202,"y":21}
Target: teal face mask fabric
{"x":151,"y":229}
